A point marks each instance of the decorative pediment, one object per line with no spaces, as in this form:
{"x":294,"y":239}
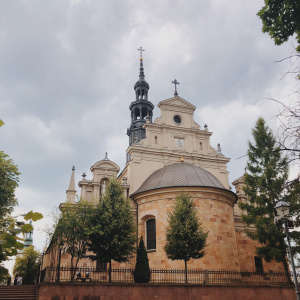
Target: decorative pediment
{"x":176,"y":101}
{"x":105,"y":164}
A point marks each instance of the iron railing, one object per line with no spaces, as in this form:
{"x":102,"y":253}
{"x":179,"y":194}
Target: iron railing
{"x":170,"y":276}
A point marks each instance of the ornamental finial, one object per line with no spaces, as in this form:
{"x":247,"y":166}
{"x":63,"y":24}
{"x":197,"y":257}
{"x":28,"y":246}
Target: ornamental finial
{"x":142,"y":75}
{"x":141,"y":52}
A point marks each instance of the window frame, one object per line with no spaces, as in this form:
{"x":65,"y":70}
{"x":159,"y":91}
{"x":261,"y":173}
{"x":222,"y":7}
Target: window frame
{"x":258,"y":263}
{"x":153,"y":240}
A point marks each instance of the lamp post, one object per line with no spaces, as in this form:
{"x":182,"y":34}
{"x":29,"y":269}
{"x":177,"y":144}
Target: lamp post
{"x":61,"y":245}
{"x":283,"y":209}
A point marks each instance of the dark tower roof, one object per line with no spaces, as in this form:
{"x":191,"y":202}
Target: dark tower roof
{"x":141,"y":87}
{"x":180,"y":175}
{"x":141,"y":108}
{"x":141,"y":82}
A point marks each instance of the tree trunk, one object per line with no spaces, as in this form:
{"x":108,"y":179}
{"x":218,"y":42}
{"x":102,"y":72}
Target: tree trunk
{"x":185,"y":265}
{"x":73,"y":269}
{"x":109,"y":271}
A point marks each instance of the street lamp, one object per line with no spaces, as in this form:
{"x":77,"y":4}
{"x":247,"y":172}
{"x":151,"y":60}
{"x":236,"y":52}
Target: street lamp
{"x":61,"y":245}
{"x":283,"y":209}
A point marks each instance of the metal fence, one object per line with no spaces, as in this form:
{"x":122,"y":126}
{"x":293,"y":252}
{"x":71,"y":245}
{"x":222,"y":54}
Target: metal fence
{"x":170,"y":276}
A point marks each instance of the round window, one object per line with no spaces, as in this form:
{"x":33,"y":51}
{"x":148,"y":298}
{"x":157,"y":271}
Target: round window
{"x":177,"y":119}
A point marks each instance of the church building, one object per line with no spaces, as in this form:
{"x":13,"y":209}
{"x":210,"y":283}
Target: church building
{"x":165,"y":156}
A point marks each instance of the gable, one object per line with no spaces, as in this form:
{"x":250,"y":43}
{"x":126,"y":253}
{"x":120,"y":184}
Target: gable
{"x":105,"y":165}
{"x":176,"y":102}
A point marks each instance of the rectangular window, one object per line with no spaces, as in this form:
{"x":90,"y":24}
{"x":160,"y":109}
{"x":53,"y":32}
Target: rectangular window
{"x":151,"y":234}
{"x":258,"y":264}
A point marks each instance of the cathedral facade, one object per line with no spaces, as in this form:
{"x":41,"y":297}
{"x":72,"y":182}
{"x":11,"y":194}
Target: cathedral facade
{"x":165,"y":156}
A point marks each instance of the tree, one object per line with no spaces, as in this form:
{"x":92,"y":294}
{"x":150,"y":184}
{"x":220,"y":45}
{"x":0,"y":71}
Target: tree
{"x":72,"y":230}
{"x":27,"y":265}
{"x":185,"y":236}
{"x":142,"y":272}
{"x":113,"y":232}
{"x":267,"y":173}
{"x":288,"y":134}
{"x":9,"y":178}
{"x":293,"y":198}
{"x":10,"y":242}
{"x":281,"y":20}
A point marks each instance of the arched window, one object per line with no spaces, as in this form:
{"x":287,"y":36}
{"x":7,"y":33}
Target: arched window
{"x":144,"y":112}
{"x":137,"y":114}
{"x":151,"y":234}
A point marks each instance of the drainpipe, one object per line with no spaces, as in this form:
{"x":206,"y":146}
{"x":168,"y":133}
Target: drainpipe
{"x":137,"y":222}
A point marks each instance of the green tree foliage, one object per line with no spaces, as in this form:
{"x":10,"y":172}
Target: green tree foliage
{"x":10,"y":242}
{"x":9,"y":178}
{"x":113,"y":232}
{"x":267,"y":173}
{"x":294,"y":199}
{"x":281,"y":20}
{"x":142,"y":272}
{"x":186,"y":239}
{"x":72,"y":230}
{"x":27,"y":265}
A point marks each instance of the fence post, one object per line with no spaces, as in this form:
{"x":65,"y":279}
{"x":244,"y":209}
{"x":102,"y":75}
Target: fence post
{"x":206,"y":277}
{"x":47,"y":274}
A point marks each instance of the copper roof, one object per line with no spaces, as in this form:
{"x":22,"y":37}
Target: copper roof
{"x":179,"y":175}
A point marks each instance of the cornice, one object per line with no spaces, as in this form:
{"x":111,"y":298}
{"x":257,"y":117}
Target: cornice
{"x":230,"y":196}
{"x":143,"y":150}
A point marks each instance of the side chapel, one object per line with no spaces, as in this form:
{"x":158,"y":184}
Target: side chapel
{"x":165,"y":156}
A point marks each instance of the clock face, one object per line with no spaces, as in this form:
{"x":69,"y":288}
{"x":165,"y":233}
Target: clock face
{"x":177,"y":119}
{"x":179,"y":143}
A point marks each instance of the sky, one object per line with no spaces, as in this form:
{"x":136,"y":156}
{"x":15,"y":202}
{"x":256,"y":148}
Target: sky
{"x":68,"y":67}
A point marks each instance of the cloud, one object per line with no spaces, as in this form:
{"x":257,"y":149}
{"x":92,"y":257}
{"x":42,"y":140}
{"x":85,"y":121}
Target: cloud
{"x":68,"y":68}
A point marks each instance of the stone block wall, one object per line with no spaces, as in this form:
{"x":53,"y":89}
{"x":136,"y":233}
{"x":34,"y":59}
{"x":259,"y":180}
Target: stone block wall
{"x":215,"y":208}
{"x":246,"y":251}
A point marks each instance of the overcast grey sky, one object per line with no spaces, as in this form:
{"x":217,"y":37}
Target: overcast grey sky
{"x":67,"y":70}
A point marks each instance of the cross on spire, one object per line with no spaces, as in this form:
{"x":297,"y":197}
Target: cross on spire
{"x":141,"y":52}
{"x":175,"y":82}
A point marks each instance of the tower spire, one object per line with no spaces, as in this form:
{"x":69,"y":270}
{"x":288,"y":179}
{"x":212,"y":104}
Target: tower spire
{"x":141,"y":107}
{"x":71,"y":189}
{"x":142,"y":75}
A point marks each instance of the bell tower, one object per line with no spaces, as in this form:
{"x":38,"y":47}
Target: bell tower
{"x":141,"y":109}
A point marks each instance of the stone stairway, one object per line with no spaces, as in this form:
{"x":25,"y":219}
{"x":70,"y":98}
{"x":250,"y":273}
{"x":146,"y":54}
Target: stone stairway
{"x":18,"y":292}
